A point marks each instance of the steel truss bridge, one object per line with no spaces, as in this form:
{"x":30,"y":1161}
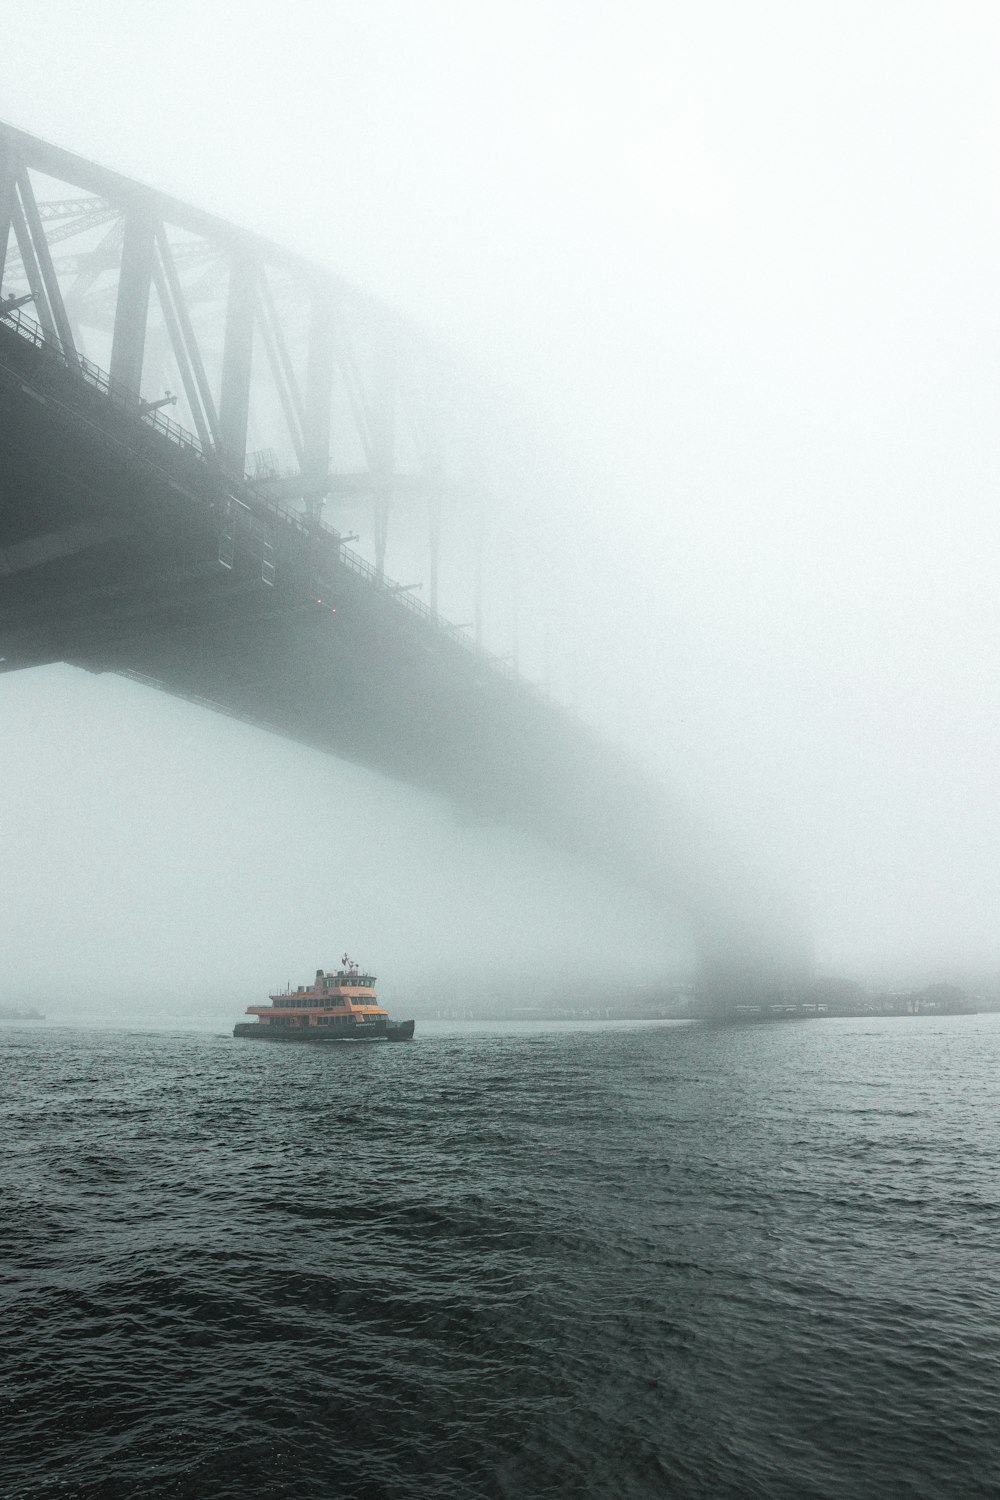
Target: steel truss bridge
{"x":181,"y":401}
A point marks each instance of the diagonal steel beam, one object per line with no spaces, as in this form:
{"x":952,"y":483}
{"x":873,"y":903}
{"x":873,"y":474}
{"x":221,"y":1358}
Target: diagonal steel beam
{"x":43,"y":261}
{"x":89,"y":268}
{"x":8,"y":181}
{"x":350,"y":375}
{"x":319,"y":398}
{"x":429,"y":445}
{"x":282,"y":372}
{"x":181,"y":354}
{"x":281,"y":347}
{"x":382,"y":428}
{"x":32,"y":272}
{"x":135,"y":278}
{"x":179,"y":304}
{"x":237,"y":360}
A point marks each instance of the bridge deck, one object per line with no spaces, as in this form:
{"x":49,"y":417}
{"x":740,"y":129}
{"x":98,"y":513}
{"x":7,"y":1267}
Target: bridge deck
{"x":124,"y":549}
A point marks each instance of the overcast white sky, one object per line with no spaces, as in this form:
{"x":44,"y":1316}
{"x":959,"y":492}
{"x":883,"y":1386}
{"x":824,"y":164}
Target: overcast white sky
{"x":740,"y":260}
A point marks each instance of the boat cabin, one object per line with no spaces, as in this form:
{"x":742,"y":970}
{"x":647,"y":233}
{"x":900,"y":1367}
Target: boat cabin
{"x":346,"y":999}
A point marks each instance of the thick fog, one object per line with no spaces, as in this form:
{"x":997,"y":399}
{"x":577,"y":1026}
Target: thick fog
{"x":738,"y":265}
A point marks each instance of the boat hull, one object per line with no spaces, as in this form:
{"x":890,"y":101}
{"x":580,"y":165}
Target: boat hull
{"x":386,"y":1031}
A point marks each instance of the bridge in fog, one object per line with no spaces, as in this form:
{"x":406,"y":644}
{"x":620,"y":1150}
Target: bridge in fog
{"x":183,"y":404}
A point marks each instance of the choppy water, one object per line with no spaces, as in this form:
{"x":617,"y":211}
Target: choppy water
{"x":633,"y":1262}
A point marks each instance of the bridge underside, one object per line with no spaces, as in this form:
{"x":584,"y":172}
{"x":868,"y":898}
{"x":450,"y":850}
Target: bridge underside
{"x":120,"y":552}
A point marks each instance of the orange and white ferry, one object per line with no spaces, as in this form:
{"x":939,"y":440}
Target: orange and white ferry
{"x":340,"y":1007}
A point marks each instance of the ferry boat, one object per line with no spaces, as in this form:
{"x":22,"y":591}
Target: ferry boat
{"x":340,"y":1007}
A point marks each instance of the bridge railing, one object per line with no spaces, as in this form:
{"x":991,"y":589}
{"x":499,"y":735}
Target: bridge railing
{"x":94,"y":375}
{"x":126,"y":401}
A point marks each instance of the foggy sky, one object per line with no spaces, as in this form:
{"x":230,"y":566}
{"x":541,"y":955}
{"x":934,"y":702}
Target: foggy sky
{"x":740,"y":264}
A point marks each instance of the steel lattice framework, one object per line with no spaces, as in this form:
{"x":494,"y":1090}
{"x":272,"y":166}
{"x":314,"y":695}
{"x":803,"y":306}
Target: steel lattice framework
{"x":280,"y":370}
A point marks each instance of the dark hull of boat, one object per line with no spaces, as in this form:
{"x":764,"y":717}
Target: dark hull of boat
{"x":382,"y":1031}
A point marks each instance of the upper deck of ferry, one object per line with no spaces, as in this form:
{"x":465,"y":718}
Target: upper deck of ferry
{"x":347,"y":990}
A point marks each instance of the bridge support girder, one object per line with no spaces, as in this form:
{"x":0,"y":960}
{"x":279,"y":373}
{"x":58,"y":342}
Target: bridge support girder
{"x":237,"y":362}
{"x":132,"y":305}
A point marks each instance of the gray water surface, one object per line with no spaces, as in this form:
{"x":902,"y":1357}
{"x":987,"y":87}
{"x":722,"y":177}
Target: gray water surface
{"x":636,"y":1261}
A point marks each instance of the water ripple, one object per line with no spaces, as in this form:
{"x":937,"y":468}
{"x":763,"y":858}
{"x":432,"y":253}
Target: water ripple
{"x":629,"y":1263}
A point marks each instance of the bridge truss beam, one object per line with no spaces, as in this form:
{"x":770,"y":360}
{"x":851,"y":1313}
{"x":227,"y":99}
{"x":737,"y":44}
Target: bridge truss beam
{"x":258,"y":348}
